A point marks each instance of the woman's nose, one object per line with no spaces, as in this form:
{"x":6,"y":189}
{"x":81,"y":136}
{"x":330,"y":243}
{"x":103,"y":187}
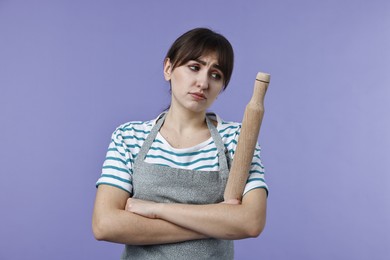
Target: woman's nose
{"x":202,"y":80}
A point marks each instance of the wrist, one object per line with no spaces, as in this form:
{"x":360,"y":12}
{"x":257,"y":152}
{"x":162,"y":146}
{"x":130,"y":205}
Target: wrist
{"x":159,"y":210}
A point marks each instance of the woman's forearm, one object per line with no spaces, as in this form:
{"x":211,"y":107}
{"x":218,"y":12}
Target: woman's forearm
{"x":111,"y":222}
{"x":224,"y":221}
{"x":127,"y":228}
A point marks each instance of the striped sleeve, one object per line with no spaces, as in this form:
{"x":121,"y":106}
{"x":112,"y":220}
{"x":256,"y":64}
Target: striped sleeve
{"x":256,"y":172}
{"x":117,"y":167}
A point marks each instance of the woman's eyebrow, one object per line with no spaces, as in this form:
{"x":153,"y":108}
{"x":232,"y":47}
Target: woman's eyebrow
{"x":205,"y":63}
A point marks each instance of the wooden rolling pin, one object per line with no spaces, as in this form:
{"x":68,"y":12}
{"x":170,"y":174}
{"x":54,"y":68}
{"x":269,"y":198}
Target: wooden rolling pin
{"x":247,"y":140}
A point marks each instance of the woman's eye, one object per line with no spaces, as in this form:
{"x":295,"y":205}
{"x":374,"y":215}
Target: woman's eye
{"x":194,"y":67}
{"x":216,"y":76}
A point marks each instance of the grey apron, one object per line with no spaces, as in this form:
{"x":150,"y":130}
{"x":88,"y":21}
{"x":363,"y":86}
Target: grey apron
{"x":172,"y":185}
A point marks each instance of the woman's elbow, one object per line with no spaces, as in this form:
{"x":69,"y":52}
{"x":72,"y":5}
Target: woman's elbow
{"x":99,"y":229}
{"x":255,"y":231}
{"x":254,"y":228}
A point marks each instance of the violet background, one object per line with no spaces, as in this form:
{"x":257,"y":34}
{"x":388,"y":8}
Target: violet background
{"x":72,"y":71}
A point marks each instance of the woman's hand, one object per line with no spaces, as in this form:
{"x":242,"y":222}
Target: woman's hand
{"x":144,"y":208}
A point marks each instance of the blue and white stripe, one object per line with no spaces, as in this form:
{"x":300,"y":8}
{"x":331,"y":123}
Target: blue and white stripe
{"x":128,"y":138}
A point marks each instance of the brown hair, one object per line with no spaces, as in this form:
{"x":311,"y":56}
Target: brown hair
{"x":199,"y":41}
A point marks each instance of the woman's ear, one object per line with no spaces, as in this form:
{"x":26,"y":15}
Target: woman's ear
{"x":167,"y":69}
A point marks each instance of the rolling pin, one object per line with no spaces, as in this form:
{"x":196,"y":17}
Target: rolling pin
{"x":246,"y":144}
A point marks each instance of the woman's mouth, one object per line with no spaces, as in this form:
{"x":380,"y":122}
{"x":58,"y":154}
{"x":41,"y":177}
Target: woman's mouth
{"x":198,"y":96}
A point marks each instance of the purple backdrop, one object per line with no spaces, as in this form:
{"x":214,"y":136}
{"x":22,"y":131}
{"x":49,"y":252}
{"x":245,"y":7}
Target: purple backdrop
{"x":71,"y":71}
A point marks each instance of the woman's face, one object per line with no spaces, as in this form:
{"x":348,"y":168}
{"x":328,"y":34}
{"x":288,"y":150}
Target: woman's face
{"x":196,"y":84}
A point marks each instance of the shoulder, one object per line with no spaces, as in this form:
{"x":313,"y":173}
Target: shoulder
{"x":224,"y":126}
{"x":133,"y":130}
{"x":228,"y":130}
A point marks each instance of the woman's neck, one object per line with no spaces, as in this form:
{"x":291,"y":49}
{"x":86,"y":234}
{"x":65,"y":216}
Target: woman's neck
{"x":184,"y":130}
{"x":182,"y":121}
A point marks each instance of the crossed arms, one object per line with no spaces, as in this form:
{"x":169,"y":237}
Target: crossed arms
{"x":121,"y":219}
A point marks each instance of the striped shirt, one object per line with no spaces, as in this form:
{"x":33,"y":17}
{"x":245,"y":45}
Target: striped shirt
{"x":127,"y":139}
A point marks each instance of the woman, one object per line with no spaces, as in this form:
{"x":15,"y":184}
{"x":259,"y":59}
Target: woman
{"x":162,"y":183}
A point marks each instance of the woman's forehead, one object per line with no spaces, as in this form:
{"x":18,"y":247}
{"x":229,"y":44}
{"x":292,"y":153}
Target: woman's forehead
{"x":207,"y":56}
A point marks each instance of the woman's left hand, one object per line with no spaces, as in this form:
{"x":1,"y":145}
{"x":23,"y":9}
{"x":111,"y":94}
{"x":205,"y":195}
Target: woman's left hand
{"x":142,"y":207}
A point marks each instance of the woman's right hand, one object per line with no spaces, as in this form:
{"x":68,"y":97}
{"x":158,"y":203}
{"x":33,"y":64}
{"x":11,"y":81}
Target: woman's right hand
{"x":142,"y":207}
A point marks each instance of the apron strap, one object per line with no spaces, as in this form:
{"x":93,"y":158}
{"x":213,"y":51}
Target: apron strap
{"x":150,"y":138}
{"x":222,"y":150}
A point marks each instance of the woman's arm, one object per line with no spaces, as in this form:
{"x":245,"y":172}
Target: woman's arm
{"x":223,"y":220}
{"x":111,"y":222}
